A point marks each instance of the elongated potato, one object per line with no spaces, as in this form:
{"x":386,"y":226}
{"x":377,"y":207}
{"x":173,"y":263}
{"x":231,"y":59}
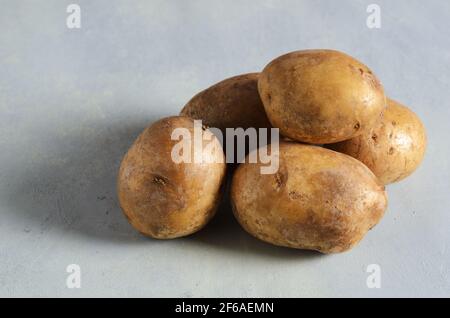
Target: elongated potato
{"x":319,"y":199}
{"x":164,"y":199}
{"x":320,"y":96}
{"x":231,"y":103}
{"x":393,"y":149}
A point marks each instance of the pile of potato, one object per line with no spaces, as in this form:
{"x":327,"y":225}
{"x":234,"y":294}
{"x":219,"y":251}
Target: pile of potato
{"x":343,"y":141}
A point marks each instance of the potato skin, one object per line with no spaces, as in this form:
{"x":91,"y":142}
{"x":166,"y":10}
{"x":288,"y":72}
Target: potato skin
{"x":231,"y":103}
{"x":161,"y":198}
{"x":320,"y":96}
{"x":318,"y":200}
{"x":393,"y":149}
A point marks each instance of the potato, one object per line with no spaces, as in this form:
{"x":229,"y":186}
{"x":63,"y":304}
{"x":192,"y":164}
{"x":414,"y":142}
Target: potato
{"x":320,"y":96}
{"x":231,"y":103}
{"x":164,"y":199}
{"x":318,"y":200}
{"x":393,"y":149}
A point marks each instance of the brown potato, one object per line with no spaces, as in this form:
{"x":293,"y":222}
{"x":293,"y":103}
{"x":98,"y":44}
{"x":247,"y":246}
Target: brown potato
{"x":393,"y":149}
{"x":231,"y":103}
{"x":164,"y":199}
{"x":318,"y":200}
{"x":320,"y":96}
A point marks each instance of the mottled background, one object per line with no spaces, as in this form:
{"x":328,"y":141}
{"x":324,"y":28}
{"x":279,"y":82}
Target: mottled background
{"x":73,"y":100}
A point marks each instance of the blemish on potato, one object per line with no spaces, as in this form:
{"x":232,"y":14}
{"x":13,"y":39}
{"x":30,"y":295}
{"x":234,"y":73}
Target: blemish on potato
{"x":280,"y":180}
{"x":160,"y":180}
{"x":294,"y":195}
{"x":375,"y":138}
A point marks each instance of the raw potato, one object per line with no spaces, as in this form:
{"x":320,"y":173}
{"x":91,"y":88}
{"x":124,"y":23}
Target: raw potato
{"x":320,"y":96}
{"x":161,"y":198}
{"x":231,"y":103}
{"x":319,"y":199}
{"x":394,"y":149}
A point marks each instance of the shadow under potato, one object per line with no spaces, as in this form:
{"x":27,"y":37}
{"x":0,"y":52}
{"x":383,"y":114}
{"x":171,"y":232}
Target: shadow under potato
{"x":69,"y":184}
{"x":71,"y":187}
{"x":224,"y":232}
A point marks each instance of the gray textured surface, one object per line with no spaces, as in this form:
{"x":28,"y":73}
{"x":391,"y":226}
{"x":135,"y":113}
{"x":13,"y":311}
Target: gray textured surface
{"x":72,"y":101}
